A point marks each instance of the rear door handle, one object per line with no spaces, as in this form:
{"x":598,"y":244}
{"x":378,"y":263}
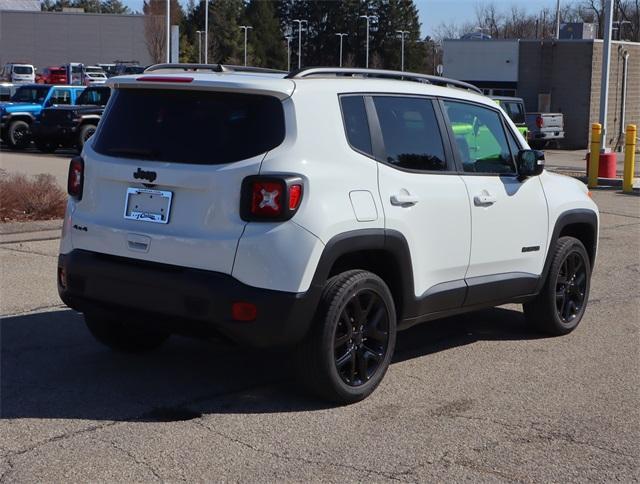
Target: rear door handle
{"x":484,"y":199}
{"x":404,"y":199}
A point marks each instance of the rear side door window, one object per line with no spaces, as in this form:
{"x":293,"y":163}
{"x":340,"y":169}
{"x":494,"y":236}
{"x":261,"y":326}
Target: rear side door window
{"x":410,"y":133}
{"x":356,"y":124}
{"x":480,"y":138}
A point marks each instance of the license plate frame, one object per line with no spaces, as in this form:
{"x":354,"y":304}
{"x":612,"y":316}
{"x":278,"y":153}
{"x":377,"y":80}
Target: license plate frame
{"x":159,"y":215}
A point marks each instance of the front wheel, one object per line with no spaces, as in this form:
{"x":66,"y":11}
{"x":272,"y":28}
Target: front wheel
{"x":561,"y":304}
{"x":123,"y":333}
{"x":348,"y":350}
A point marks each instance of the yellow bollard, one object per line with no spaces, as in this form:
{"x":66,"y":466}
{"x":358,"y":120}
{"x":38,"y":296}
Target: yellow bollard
{"x":594,"y":156}
{"x":629,"y":159}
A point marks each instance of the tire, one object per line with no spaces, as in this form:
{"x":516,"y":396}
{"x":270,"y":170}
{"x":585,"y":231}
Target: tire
{"x":45,"y":146}
{"x":19,"y":135}
{"x":348,"y":349}
{"x":118,"y":332}
{"x":85,"y":133}
{"x":561,"y":304}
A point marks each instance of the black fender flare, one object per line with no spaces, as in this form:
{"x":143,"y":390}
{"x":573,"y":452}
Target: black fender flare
{"x":576,"y":216}
{"x":389,"y":241}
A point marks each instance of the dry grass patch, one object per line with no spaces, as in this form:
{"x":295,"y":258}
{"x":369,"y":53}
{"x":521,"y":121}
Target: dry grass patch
{"x":24,"y":198}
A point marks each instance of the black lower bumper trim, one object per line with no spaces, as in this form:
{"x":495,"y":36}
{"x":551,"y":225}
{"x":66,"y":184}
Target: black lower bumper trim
{"x":96,"y":280}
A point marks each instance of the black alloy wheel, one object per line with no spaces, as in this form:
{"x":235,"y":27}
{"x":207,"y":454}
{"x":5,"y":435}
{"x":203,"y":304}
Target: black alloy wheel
{"x":361,"y":338}
{"x":571,"y":286}
{"x":562,"y":301}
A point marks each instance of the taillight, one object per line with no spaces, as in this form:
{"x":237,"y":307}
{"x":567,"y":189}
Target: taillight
{"x":75,"y":181}
{"x":270,"y":198}
{"x":540,"y":122}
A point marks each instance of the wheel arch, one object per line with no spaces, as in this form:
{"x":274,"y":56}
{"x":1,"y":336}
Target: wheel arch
{"x":27,"y":117}
{"x":382,"y":252}
{"x":579,"y":223}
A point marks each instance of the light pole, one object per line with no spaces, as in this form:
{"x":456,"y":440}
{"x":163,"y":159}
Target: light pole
{"x":246,"y":28}
{"x":288,"y":39}
{"x":342,"y":36}
{"x":199,"y":32}
{"x":606,"y":62}
{"x":368,"y":18}
{"x":558,"y":20}
{"x":402,"y":34}
{"x":206,"y":31}
{"x":300,"y":22}
{"x":168,"y":32}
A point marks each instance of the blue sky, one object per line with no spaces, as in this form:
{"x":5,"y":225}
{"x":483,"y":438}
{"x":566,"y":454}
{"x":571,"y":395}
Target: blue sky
{"x":434,"y":12}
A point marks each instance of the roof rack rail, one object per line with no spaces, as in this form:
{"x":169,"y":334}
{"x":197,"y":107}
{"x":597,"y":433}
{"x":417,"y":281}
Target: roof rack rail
{"x":187,"y":67}
{"x":382,"y":74}
{"x":211,"y":67}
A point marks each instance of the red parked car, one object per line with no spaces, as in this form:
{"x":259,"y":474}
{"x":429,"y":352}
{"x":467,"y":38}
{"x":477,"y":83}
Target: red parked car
{"x":52,"y":75}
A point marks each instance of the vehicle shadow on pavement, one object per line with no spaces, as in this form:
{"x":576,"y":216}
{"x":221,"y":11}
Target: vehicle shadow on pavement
{"x":51,"y":368}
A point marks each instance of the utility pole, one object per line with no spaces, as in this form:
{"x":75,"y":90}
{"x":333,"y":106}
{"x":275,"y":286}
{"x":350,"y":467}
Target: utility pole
{"x":168,"y":34}
{"x":206,"y":31}
{"x":246,"y":28}
{"x":300,"y":22}
{"x":606,"y":62}
{"x":558,"y":20}
{"x":288,"y":37}
{"x":341,"y":35}
{"x":199,"y":32}
{"x":368,"y":19}
{"x":402,"y":34}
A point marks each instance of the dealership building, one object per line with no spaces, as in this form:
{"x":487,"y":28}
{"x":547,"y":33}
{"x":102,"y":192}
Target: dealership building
{"x":53,"y":38}
{"x":555,"y":76}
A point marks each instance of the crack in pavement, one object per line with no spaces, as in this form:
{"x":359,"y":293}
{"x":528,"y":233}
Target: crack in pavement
{"x":543,"y":434}
{"x":143,"y":463}
{"x":389,"y":475}
{"x":31,"y":252}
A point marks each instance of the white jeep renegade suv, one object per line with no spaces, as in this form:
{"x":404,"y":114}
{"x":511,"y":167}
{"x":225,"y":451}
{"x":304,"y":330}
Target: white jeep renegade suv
{"x":322,"y":211}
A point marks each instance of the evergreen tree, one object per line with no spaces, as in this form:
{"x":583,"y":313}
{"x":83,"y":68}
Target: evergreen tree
{"x":268,"y":48}
{"x":114,"y":6}
{"x":227,"y":43}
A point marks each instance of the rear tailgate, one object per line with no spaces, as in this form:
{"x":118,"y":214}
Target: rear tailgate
{"x":163,"y":174}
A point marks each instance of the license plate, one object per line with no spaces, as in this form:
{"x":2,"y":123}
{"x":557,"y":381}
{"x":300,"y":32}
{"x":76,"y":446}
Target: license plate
{"x":148,"y":205}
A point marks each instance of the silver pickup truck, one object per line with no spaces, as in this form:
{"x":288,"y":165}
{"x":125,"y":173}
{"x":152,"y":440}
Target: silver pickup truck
{"x":544,"y":127}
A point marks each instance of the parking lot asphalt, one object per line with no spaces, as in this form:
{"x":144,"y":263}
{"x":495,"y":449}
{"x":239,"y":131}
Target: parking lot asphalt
{"x":477,"y":397}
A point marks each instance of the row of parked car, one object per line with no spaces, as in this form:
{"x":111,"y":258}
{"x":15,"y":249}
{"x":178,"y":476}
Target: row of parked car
{"x":51,"y":116}
{"x":73,"y":73}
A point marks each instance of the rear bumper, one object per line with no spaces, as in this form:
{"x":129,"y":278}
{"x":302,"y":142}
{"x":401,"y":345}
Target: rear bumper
{"x":547,"y":135}
{"x":187,"y":295}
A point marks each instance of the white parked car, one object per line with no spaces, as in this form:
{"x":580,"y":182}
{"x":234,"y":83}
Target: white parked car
{"x":322,"y":211}
{"x":18,"y":73}
{"x":94,"y":75}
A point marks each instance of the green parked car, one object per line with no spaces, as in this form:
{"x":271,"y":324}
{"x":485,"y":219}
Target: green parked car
{"x":514,"y":107}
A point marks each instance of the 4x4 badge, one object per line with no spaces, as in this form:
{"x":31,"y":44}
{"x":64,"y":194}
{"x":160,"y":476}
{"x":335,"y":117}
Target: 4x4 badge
{"x":145,"y":175}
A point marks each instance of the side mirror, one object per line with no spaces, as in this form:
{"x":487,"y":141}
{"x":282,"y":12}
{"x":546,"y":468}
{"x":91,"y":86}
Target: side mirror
{"x":530,"y":163}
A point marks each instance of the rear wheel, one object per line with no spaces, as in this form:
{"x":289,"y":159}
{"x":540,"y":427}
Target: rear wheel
{"x":19,"y":134}
{"x":120,"y":332}
{"x":559,"y":307}
{"x":85,"y":133}
{"x":348,"y":350}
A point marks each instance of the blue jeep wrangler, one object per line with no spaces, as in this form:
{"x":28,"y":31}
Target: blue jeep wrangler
{"x":25,"y":106}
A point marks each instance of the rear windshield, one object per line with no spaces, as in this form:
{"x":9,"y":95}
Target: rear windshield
{"x":197,"y":127}
{"x":23,"y":70}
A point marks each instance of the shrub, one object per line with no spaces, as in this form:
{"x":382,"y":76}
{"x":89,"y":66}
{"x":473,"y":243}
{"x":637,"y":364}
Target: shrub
{"x":30,"y":198}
